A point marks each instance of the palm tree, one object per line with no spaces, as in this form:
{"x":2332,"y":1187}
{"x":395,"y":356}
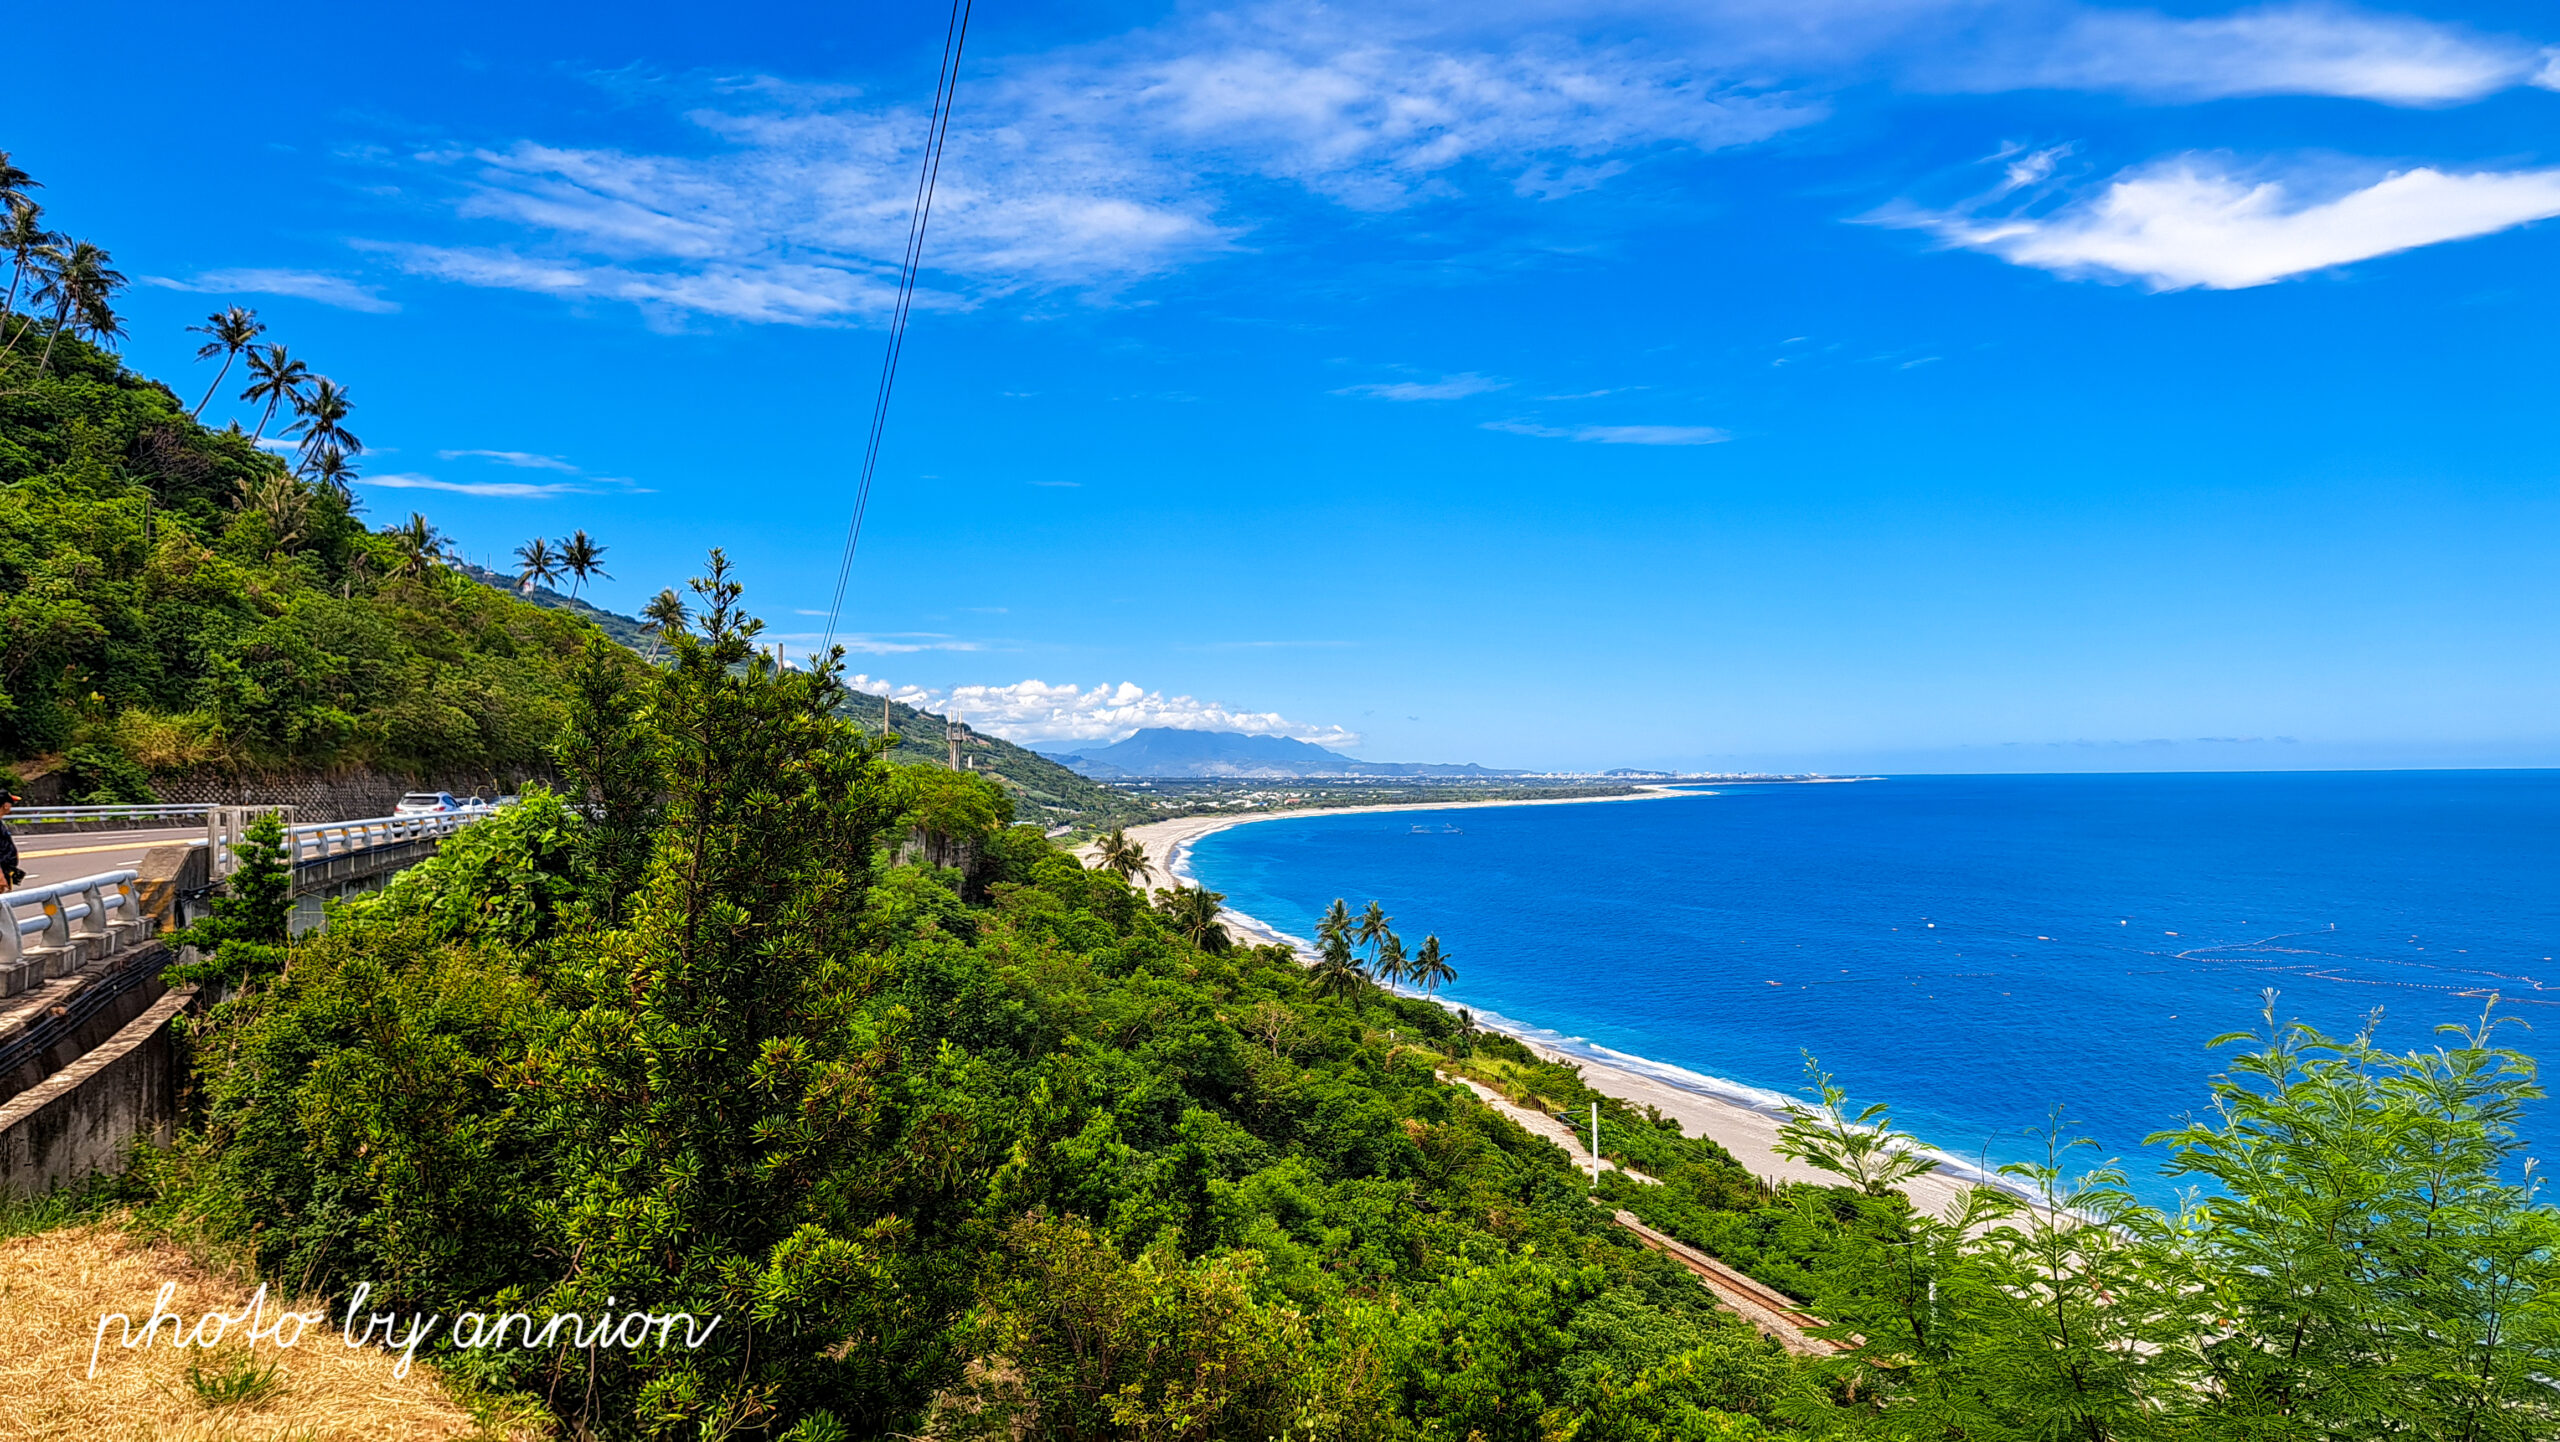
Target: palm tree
{"x":323,"y":420}
{"x":330,"y":467}
{"x":1193,"y":911}
{"x":232,"y":330}
{"x":1337,"y":971}
{"x":27,"y":241}
{"x":535,"y":565}
{"x":1431,"y":969}
{"x":276,"y":378}
{"x":1465,"y":1035}
{"x":665,"y":613}
{"x":422,"y":546}
{"x":79,"y":283}
{"x":1388,"y":963}
{"x":15,"y":183}
{"x":580,"y":556}
{"x":1119,"y":854}
{"x":1372,"y":926}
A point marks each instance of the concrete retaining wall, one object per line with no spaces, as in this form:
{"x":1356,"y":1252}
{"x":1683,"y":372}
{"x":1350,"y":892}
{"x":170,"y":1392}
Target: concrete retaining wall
{"x":83,"y":1119}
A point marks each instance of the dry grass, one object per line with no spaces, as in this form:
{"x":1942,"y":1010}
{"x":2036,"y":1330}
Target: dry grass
{"x":55,"y":1285}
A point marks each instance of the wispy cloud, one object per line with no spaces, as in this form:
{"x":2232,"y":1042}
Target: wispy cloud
{"x":1447,"y":388}
{"x":1617,"y":435}
{"x":311,"y":285}
{"x":1042,"y":713}
{"x":2302,"y":49}
{"x":527,"y":460}
{"x":2197,"y":221}
{"x":509,"y":490}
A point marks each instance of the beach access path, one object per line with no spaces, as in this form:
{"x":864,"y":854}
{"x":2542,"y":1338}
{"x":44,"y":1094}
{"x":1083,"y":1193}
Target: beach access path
{"x":1749,"y":1132}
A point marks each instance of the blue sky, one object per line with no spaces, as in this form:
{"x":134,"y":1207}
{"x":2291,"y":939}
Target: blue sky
{"x":1909,"y":384}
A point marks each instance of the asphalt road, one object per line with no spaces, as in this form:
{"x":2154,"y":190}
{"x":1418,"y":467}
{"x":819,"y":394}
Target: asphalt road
{"x":70,"y":855}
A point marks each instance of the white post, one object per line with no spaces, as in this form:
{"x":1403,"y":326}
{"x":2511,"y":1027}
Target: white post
{"x":1595,"y":1145}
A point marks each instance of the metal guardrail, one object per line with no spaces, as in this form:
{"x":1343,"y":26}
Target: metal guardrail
{"x":72,"y":923}
{"x":320,"y":840}
{"x":72,"y":815}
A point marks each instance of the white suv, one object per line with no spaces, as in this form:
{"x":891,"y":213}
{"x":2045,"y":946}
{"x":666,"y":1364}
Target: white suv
{"x":429,"y":803}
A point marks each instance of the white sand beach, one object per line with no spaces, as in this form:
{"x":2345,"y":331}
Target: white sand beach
{"x":1749,"y":1132}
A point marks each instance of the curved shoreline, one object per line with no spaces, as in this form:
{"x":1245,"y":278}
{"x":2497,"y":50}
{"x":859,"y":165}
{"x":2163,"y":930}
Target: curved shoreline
{"x":1743,"y":1119}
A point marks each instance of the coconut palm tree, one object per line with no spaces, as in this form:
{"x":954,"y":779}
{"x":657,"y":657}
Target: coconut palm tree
{"x":79,"y":283}
{"x":277,"y":379}
{"x":422,"y":547}
{"x":580,"y":557}
{"x":1371,"y":929}
{"x":537,"y":566}
{"x":1337,"y":971}
{"x":26,"y":240}
{"x":1193,"y":911}
{"x":1119,"y":854}
{"x":231,"y":331}
{"x":1467,"y":1032}
{"x":323,"y":419}
{"x":330,"y":467}
{"x":1335,"y":923}
{"x":1431,"y":969}
{"x":15,"y":183}
{"x":1387,"y":961}
{"x":665,"y":613}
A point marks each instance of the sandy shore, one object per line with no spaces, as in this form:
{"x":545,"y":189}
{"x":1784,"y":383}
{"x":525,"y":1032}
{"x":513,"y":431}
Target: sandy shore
{"x":1749,"y":1132}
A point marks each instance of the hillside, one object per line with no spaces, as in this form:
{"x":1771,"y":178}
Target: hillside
{"x":1167,"y":751}
{"x":175,"y":600}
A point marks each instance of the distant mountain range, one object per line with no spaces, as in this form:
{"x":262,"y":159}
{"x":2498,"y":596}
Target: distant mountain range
{"x":1169,"y":752}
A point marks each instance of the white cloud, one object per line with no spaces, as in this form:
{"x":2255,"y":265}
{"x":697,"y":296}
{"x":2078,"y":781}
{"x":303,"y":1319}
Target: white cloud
{"x":1040,"y":713}
{"x":2303,"y":49}
{"x":525,"y":459}
{"x":509,"y":490}
{"x":1617,"y":435}
{"x":311,"y":285}
{"x":1447,"y":388}
{"x":2191,"y":221}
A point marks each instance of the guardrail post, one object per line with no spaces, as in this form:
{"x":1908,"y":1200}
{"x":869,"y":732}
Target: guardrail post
{"x":13,"y":959}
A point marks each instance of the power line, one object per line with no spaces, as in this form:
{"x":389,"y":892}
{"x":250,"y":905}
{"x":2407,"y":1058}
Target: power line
{"x":945,"y":90}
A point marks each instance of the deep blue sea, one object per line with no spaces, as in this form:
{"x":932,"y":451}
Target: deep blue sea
{"x":1972,"y":949}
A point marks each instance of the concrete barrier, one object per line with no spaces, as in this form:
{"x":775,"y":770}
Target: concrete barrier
{"x":84,"y":1119}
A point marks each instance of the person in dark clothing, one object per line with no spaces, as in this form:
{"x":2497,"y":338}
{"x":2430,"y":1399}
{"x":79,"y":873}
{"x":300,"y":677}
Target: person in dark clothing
{"x":10,"y":875}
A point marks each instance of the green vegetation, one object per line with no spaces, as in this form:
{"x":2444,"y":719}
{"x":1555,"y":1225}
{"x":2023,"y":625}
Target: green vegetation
{"x":955,"y":1147}
{"x":174,"y":598}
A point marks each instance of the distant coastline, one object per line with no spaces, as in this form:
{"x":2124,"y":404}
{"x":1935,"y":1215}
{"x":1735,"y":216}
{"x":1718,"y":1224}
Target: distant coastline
{"x":1742,"y":1119}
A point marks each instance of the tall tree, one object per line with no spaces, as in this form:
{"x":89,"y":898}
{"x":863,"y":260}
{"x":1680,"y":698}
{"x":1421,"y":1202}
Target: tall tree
{"x":1431,"y":969}
{"x":231,"y":330}
{"x":1120,"y":855}
{"x":537,"y":565}
{"x":15,"y":183}
{"x":422,"y":547}
{"x":1337,"y":971}
{"x":1193,"y":911}
{"x":1371,"y":930}
{"x":80,"y":285}
{"x":583,"y":559}
{"x":665,"y":613}
{"x":277,"y":379}
{"x":323,"y":419}
{"x":331,"y":468}
{"x":27,"y":242}
{"x":1387,"y":960}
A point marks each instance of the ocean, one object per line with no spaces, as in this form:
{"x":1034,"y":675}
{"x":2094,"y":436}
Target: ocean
{"x":1974,"y":950}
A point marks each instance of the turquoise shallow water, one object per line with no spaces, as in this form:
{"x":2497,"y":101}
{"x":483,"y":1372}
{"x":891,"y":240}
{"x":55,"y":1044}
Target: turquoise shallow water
{"x":1972,"y":949}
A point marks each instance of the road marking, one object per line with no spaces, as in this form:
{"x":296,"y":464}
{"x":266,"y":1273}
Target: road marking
{"x":92,"y":850}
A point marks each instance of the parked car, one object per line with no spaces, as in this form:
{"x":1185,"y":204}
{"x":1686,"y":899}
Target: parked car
{"x":430,"y":803}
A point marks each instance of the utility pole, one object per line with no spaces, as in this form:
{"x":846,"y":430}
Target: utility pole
{"x":1595,"y":1146}
{"x":884,"y":716}
{"x":952,"y":731}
